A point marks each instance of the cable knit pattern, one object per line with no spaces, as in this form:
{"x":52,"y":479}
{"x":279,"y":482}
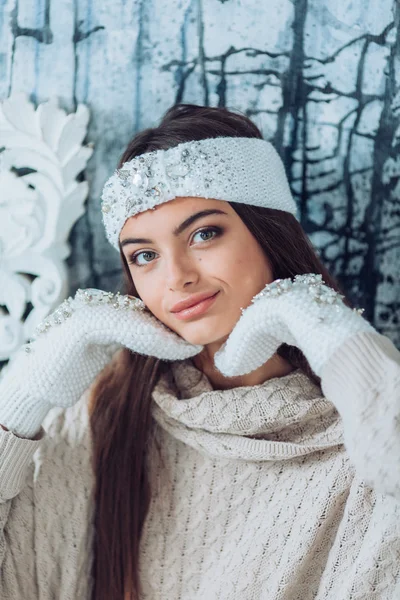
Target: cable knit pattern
{"x":312,"y":421}
{"x":255,"y":496}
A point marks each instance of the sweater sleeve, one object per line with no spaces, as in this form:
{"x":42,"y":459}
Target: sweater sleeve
{"x":362,"y":379}
{"x":16,"y":475}
{"x":46,"y":507}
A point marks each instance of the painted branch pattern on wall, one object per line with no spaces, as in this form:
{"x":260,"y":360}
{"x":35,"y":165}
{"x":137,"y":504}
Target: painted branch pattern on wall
{"x":321,"y":79}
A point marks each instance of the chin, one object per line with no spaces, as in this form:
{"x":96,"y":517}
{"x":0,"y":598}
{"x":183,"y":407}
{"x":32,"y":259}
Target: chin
{"x":203,"y":337}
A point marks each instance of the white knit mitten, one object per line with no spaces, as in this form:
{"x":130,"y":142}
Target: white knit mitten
{"x":71,"y":347}
{"x":304,"y":313}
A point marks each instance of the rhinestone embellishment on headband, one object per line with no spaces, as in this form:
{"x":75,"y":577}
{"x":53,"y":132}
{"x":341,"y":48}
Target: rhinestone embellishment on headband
{"x":234,"y":169}
{"x":140,"y":179}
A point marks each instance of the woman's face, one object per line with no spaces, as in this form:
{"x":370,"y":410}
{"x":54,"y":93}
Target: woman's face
{"x":188,"y":249}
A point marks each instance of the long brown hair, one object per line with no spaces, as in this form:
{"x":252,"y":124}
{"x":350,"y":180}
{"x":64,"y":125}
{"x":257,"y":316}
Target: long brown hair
{"x":120,"y":418}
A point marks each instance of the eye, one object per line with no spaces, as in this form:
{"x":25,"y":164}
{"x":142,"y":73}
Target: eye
{"x":208,"y":233}
{"x":147,"y":255}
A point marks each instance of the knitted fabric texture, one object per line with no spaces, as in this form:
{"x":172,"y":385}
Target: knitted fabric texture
{"x":304,"y":313}
{"x":245,"y":170}
{"x":254,"y":495}
{"x":69,"y":353}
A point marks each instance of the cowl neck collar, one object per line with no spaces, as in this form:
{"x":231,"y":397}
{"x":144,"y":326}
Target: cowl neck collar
{"x":280,"y":418}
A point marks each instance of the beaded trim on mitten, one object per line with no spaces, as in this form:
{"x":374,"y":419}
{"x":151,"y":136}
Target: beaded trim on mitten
{"x":89,"y":296}
{"x":303,"y":312}
{"x":315,"y":286}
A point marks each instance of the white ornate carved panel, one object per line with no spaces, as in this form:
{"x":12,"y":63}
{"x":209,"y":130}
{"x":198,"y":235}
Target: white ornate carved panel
{"x":41,"y":157}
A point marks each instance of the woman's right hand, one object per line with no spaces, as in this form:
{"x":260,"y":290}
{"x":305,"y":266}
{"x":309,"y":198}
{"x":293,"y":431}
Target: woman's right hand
{"x":70,"y":349}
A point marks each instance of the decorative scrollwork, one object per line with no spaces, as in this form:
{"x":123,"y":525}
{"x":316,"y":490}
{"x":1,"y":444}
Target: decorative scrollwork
{"x":41,"y":156}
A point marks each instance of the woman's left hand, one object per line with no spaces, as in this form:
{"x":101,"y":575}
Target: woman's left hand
{"x":303,"y":312}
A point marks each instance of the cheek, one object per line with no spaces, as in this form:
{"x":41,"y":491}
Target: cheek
{"x":149,"y":293}
{"x":250,"y":273}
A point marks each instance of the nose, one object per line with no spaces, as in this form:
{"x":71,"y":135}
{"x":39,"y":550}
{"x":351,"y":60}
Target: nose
{"x":181,"y":272}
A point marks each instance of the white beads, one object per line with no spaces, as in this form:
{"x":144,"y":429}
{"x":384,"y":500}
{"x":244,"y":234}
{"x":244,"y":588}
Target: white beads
{"x":93,"y":297}
{"x":90,"y":297}
{"x":303,"y":312}
{"x":276,"y":288}
{"x":315,"y":285}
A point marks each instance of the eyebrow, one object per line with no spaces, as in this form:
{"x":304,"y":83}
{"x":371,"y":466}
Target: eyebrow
{"x":178,"y":230}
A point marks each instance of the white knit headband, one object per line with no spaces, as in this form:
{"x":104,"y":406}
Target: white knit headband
{"x":235,"y":169}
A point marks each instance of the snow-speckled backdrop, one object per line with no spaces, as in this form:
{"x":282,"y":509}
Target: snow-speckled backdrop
{"x":320,"y":78}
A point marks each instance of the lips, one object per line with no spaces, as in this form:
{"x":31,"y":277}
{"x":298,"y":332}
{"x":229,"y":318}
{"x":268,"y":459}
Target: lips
{"x":192,"y":301}
{"x":196,"y":310}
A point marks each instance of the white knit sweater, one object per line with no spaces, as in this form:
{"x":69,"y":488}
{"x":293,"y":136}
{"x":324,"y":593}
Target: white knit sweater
{"x":257,"y":497}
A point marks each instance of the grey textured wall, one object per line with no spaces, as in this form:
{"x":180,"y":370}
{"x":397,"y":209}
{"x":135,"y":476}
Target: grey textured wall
{"x":320,"y":78}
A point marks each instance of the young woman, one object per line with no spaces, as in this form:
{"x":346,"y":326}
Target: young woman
{"x":229,"y":429}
